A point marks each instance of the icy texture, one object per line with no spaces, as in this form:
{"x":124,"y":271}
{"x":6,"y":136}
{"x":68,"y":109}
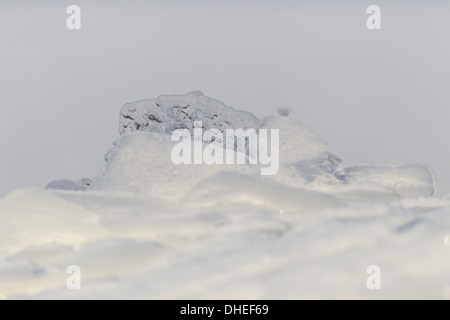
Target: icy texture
{"x":305,"y":159}
{"x":140,"y":161}
{"x":404,"y":180}
{"x":170,"y":112}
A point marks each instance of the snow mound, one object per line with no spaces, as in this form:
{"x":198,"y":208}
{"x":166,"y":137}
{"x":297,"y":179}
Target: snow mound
{"x":136,"y":247}
{"x":140,"y":162}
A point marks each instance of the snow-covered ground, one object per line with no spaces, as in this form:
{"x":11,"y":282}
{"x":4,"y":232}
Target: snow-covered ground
{"x":147,"y":228}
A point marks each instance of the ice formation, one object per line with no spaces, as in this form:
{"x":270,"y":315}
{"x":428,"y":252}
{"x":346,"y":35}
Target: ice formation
{"x":140,"y":160}
{"x":145,"y":228}
{"x":170,"y":112}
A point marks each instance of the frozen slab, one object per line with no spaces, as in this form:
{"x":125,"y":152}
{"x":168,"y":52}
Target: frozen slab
{"x":67,"y":184}
{"x":167,"y":113}
{"x":407,"y":180}
{"x":142,"y":155}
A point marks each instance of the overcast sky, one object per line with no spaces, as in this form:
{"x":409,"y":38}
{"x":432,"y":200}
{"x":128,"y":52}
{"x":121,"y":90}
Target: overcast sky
{"x":378,"y":96}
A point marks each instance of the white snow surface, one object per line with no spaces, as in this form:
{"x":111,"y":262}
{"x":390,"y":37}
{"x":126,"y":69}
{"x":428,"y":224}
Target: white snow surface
{"x":148,"y":229}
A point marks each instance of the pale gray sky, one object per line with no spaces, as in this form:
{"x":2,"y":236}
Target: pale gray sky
{"x":374,"y":96}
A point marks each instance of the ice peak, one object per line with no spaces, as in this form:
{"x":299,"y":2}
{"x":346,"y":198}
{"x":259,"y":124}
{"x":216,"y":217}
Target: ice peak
{"x":196,"y":93}
{"x":167,"y":113}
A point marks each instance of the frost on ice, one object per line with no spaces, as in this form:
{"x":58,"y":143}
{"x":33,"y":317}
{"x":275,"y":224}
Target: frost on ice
{"x":170,"y":112}
{"x":140,"y":162}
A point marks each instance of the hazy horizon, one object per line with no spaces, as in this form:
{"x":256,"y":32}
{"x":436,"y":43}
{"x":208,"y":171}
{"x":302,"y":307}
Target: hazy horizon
{"x":376,"y":96}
